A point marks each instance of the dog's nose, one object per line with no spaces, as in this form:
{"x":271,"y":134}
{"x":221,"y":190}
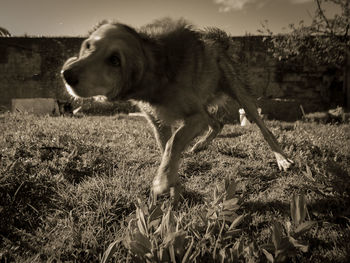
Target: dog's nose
{"x":70,"y":77}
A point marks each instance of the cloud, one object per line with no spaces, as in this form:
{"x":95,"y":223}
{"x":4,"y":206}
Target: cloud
{"x":300,"y":1}
{"x":230,"y":5}
{"x":234,"y":5}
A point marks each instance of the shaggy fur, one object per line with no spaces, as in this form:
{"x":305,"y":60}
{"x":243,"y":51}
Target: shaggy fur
{"x":173,"y":72}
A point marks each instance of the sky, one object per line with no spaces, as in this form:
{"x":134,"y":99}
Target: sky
{"x":77,"y":17}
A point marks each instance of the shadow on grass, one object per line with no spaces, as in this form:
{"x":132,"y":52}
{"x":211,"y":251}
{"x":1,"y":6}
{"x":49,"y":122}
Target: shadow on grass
{"x":197,"y":167}
{"x":340,"y":176}
{"x":193,"y":198}
{"x":263,"y":207}
{"x":335,"y":207}
{"x":332,"y":210}
{"x":230,"y":135}
{"x":334,"y":187}
{"x":75,"y":176}
{"x":254,"y":208}
{"x":25,"y":199}
{"x":230,"y":151}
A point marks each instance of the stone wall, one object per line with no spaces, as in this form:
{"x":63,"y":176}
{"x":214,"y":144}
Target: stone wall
{"x":315,"y":87}
{"x":30,"y":67}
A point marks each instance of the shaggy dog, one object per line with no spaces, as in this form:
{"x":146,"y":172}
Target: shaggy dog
{"x":172,"y":72}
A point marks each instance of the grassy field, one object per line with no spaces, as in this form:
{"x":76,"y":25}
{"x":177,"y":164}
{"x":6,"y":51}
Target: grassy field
{"x":68,"y":187}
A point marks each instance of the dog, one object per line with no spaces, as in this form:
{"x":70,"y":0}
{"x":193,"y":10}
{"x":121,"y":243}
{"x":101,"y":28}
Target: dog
{"x":172,"y":72}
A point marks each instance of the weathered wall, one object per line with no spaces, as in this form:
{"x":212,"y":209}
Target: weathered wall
{"x":316,"y":88}
{"x":30,"y":67}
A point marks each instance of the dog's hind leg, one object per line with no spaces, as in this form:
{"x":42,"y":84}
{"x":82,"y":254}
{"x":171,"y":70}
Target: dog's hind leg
{"x":249,"y":106}
{"x":167,"y":177}
{"x":236,"y":87}
{"x":214,"y":129}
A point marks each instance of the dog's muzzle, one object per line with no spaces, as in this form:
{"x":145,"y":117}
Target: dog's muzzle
{"x":68,"y":74}
{"x":70,"y":77}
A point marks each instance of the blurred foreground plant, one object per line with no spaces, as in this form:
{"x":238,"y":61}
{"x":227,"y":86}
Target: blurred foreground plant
{"x":283,"y":246}
{"x":158,"y":234}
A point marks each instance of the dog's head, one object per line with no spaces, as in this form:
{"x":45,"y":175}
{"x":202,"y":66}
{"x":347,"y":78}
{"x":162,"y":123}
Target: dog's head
{"x":111,"y":60}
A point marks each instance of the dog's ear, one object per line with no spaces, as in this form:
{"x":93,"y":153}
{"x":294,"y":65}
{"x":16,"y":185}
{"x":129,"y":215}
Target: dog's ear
{"x":133,"y":67}
{"x":133,"y":70}
{"x":137,"y":59}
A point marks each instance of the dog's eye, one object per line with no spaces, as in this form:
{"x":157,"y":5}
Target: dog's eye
{"x":87,"y":45}
{"x":114,"y":60}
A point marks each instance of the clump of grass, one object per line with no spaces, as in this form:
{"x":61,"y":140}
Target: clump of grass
{"x":158,"y":234}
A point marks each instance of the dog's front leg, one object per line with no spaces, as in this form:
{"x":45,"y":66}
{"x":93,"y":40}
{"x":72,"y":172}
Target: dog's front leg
{"x":167,"y":175}
{"x":162,"y":132}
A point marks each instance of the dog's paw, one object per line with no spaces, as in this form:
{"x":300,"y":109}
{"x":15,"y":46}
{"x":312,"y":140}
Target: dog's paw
{"x":283,"y":162}
{"x":162,"y":187}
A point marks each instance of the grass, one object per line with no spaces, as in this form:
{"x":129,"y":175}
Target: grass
{"x":68,"y":186}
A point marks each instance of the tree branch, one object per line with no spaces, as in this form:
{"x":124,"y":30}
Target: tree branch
{"x":346,"y":31}
{"x":324,"y":16}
